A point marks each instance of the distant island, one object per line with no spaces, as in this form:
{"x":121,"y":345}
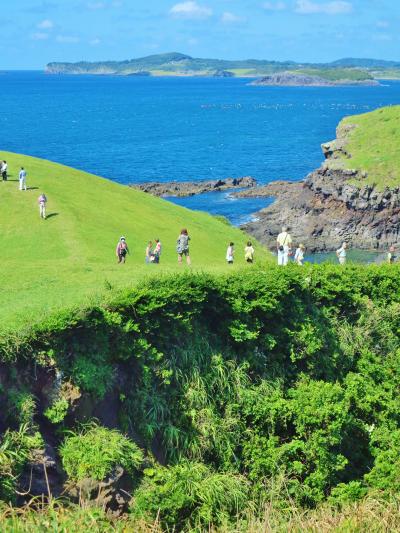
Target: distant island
{"x":343,"y":71}
{"x":290,"y":79}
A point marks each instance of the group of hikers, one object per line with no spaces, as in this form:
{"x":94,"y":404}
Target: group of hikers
{"x":153,"y":252}
{"x":284,"y":248}
{"x":284,"y":240}
{"x":42,"y":199}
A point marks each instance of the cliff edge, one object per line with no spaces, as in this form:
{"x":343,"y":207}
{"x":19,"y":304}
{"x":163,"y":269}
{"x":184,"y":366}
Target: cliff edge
{"x":354,"y":196}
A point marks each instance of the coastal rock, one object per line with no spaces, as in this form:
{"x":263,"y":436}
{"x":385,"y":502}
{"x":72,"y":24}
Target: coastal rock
{"x":325,"y":210}
{"x":190,"y":188}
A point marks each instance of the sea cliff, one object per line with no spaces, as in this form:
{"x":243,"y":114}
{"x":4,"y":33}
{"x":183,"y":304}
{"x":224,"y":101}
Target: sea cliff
{"x":336,"y":202}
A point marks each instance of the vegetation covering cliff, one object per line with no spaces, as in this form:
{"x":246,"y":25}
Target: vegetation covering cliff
{"x":176,"y":64}
{"x":243,"y":401}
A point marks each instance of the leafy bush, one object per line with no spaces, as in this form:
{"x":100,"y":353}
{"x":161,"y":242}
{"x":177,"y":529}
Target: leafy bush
{"x":57,"y":411}
{"x":190,"y":495}
{"x":95,"y":451}
{"x":15,"y":449}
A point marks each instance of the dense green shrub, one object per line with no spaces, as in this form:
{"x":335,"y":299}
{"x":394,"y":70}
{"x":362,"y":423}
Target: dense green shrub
{"x":95,"y":451}
{"x":280,"y":374}
{"x":190,"y":495}
{"x":15,"y":450}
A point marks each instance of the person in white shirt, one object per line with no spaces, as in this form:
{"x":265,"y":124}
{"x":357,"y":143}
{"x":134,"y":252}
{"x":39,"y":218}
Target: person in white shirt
{"x":299,"y":255}
{"x":4,"y":168}
{"x":230,"y":253}
{"x":42,"y":201}
{"x":342,"y":253}
{"x":283,"y":246}
{"x":22,"y":179}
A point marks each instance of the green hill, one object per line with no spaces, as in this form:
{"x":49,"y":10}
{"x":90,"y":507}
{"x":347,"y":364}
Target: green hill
{"x":70,"y":257}
{"x":372,"y":141}
{"x":176,"y":64}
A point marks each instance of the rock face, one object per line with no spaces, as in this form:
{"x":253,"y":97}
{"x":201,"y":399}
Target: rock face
{"x":190,"y":188}
{"x":303,"y":80}
{"x":327,"y":208}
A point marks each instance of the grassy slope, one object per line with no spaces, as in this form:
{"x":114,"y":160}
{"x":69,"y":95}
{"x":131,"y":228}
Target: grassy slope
{"x":374,"y":146}
{"x":70,"y":257}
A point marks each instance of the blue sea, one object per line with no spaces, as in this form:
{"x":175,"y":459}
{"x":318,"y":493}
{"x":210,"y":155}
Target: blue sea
{"x":132,"y":129}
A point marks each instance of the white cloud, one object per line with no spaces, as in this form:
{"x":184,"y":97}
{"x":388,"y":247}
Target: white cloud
{"x":68,"y":39}
{"x":193,"y":42}
{"x":190,"y":10}
{"x":307,"y":7}
{"x":95,"y":41}
{"x":228,"y":18}
{"x":274,"y":6}
{"x":39,"y":36}
{"x":46,"y":24}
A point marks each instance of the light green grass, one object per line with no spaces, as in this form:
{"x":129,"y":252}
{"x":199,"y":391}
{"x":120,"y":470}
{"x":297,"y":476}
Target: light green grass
{"x":336,"y":74}
{"x":69,"y":259}
{"x":374,"y":146}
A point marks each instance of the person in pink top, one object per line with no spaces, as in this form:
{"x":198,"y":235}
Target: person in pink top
{"x":122,"y":250}
{"x":42,"y":201}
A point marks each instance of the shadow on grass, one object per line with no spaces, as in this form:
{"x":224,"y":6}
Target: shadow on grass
{"x":51,"y":215}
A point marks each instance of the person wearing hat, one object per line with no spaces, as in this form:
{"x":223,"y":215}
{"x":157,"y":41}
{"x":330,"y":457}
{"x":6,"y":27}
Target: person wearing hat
{"x":299,"y":255}
{"x":122,"y":250}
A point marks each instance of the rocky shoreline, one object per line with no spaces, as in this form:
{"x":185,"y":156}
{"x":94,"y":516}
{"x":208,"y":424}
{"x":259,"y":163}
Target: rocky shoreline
{"x":190,"y":188}
{"x":326,"y":209}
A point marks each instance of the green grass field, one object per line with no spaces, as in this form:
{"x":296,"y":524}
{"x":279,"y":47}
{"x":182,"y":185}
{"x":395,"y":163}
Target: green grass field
{"x":374,"y":146}
{"x":69,"y":259}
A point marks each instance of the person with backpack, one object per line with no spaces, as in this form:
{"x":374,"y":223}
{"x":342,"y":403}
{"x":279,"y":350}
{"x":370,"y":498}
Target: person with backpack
{"x":249,"y":253}
{"x":283,"y":246}
{"x":22,"y":179}
{"x":122,"y":250}
{"x":157,"y":251}
{"x":42,"y":201}
{"x":182,"y":246}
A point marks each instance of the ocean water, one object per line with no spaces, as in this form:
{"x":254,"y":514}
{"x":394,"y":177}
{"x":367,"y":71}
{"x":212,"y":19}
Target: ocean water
{"x":132,"y":129}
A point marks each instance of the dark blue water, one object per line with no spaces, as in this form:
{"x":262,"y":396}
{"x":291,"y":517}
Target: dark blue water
{"x":141,"y":129}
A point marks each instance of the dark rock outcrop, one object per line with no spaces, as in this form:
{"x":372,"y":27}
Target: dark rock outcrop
{"x":190,"y":188}
{"x":330,"y":206}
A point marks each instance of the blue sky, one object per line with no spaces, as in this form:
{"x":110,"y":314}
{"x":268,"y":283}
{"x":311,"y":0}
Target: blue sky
{"x":35,"y":32}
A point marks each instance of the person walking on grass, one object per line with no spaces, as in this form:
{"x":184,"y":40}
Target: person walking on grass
{"x":182,"y":246}
{"x":4,"y":169}
{"x":230,"y":253}
{"x":149,"y":257}
{"x":249,"y":252}
{"x":22,"y":179}
{"x":42,"y":201}
{"x":283,"y":246}
{"x":122,"y":250}
{"x":157,"y":251}
{"x":299,"y":255}
{"x":341,"y":254}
